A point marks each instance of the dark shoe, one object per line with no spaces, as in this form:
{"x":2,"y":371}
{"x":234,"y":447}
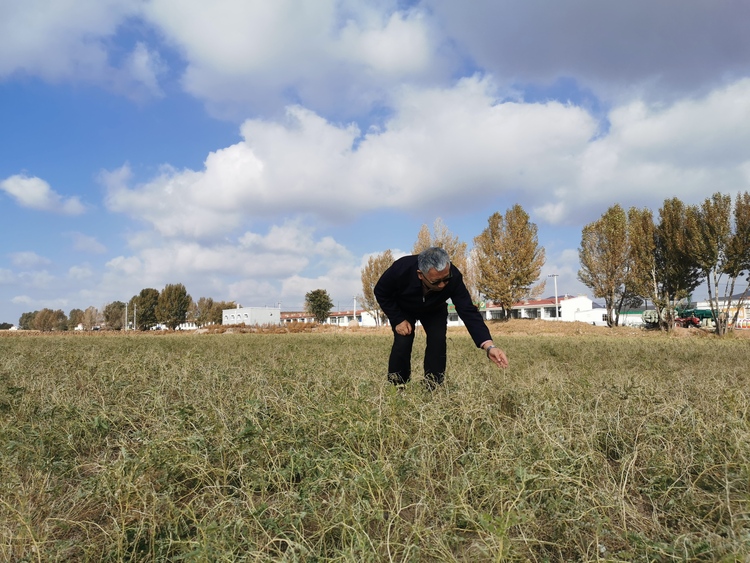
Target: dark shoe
{"x":433,"y":380}
{"x":397,"y":379}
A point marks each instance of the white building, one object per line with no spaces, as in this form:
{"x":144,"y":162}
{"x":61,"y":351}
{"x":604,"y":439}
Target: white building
{"x":337,"y":318}
{"x":251,"y":316}
{"x":569,"y":308}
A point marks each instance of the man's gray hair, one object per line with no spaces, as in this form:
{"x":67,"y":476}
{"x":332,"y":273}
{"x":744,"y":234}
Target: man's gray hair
{"x":433,"y":257}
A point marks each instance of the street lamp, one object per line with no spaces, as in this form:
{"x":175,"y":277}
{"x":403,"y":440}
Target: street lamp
{"x":557,"y":311}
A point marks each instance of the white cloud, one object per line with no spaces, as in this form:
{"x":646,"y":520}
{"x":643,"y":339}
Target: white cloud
{"x":400,"y":45}
{"x":73,"y":40}
{"x":36,"y":304}
{"x":86,"y":243}
{"x":254,"y":264}
{"x":258,"y":54}
{"x":144,"y":67}
{"x":41,"y":279}
{"x":689,"y":149}
{"x":80,"y":273}
{"x":439,"y":142}
{"x":35,"y":193}
{"x":28,"y":260}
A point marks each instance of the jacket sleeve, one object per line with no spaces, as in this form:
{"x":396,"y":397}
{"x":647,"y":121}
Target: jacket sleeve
{"x":386,"y":291}
{"x":469,"y":314}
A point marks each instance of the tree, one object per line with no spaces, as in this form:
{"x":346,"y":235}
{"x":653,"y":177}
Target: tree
{"x":720,"y":247}
{"x":371,"y":273}
{"x":442,"y":237}
{"x":318,"y":303}
{"x":44,"y":320}
{"x":172,"y":305}
{"x":90,"y":318}
{"x":61,"y":321}
{"x":114,"y":315}
{"x":662,"y":266}
{"x":75,"y":317}
{"x":680,"y":273}
{"x":142,"y":308}
{"x":216,"y":311}
{"x":604,"y":259}
{"x":509,"y":259}
{"x":207,"y":311}
{"x":26,"y":320}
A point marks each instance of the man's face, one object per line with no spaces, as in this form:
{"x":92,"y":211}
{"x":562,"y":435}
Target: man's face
{"x":435,"y":279}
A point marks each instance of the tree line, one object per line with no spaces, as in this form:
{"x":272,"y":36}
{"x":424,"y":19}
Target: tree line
{"x":625,"y":258}
{"x":632,"y":254}
{"x":169,"y":307}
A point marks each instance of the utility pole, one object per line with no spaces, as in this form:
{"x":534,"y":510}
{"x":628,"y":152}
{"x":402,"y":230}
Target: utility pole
{"x":557,"y":311}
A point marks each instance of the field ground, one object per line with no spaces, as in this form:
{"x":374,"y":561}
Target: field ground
{"x":594,"y":445}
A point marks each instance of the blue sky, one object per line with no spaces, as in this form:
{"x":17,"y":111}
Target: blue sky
{"x":257,"y":150}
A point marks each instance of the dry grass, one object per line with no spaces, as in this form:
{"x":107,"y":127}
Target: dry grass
{"x":594,"y":445}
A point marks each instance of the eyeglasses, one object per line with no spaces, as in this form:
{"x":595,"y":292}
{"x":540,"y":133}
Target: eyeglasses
{"x":444,"y":280}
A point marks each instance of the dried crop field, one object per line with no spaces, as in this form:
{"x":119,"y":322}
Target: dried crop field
{"x":594,"y":445}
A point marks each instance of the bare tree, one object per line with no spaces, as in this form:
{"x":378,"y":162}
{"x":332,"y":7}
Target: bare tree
{"x":90,"y":318}
{"x":371,"y":273}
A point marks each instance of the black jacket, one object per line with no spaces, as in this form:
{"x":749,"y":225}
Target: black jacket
{"x":399,"y":293}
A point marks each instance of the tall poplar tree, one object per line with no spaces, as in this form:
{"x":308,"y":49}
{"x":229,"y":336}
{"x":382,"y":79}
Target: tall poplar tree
{"x":603,"y":256}
{"x":509,"y":259}
{"x":371,"y":273}
{"x":721,"y":246}
{"x":142,"y":308}
{"x":662,"y":265}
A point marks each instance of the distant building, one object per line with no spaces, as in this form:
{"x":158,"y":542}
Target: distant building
{"x":251,"y":316}
{"x":360,"y":317}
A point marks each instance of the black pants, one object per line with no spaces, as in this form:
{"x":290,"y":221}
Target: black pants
{"x":435,"y":324}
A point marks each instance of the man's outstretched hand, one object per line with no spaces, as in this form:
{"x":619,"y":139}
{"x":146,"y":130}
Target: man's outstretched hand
{"x":498,"y":357}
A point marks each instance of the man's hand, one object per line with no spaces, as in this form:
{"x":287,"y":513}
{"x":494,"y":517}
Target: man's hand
{"x":498,"y":357}
{"x":404,"y":328}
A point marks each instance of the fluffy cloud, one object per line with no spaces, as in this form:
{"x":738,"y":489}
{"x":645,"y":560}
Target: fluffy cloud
{"x":80,"y":273}
{"x":439,"y":142}
{"x":71,"y":40}
{"x":247,"y":270}
{"x":688,"y":149}
{"x":143,"y":67}
{"x":28,"y":260}
{"x":86,"y":243}
{"x":35,"y":193}
{"x":443,"y":142}
{"x":256,"y":54}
